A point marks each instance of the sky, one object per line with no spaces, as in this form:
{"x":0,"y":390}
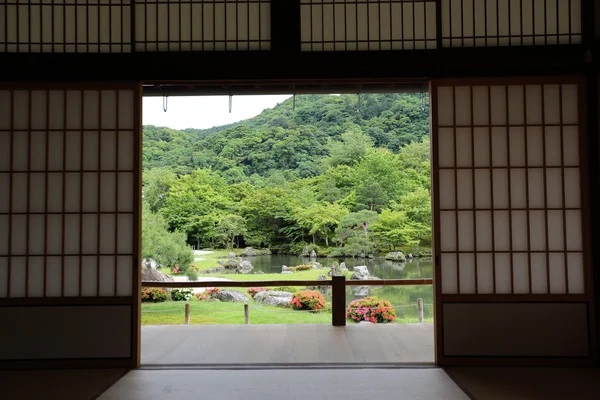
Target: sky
{"x":204,"y":111}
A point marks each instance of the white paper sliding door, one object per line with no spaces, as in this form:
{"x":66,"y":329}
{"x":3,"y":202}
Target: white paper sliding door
{"x":510,"y":205}
{"x":69,"y":217}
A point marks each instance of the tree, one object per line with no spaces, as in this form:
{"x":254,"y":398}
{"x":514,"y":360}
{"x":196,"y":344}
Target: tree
{"x":167,"y":249}
{"x":320,"y":219}
{"x":371,"y":195}
{"x":394,"y":229}
{"x":157,"y":183}
{"x":231,"y":226}
{"x":352,"y":147}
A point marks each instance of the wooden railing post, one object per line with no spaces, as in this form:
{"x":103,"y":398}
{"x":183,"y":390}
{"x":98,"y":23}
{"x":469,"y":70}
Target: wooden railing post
{"x":246,"y":314}
{"x":187,"y":313}
{"x":420,"y":308}
{"x":338,"y":301}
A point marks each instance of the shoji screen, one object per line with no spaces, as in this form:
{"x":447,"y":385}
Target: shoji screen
{"x":65,"y":26}
{"x":509,"y":201}
{"x":346,"y":25}
{"x":468,"y":23}
{"x":69,"y":220}
{"x":204,"y":25}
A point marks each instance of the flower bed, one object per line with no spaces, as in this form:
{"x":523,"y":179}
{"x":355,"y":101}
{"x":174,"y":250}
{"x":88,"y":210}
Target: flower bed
{"x":308,"y":300}
{"x":371,"y":309}
{"x":154,"y":295}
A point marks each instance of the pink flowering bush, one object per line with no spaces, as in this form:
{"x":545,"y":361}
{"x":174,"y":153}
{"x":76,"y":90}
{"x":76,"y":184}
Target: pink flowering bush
{"x":308,"y":300}
{"x":252,"y":291}
{"x":371,"y":309}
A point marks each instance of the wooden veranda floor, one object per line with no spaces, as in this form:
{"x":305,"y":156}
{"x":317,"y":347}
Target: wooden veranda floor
{"x":286,"y":344}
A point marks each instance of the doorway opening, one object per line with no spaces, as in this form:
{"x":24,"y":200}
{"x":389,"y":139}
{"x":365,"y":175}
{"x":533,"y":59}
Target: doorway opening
{"x":300,"y":185}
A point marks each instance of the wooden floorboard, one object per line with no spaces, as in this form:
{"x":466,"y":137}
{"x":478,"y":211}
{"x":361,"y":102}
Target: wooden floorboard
{"x":287,"y":344}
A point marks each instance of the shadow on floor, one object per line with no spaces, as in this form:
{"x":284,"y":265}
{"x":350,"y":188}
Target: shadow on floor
{"x":527,"y":383}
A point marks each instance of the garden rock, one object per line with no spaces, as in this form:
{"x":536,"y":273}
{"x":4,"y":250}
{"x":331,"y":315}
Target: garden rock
{"x":151,"y":274}
{"x":287,"y":272}
{"x":304,"y":252}
{"x":362,"y":273}
{"x":321,"y":278}
{"x":244,"y":267}
{"x":248,"y":252}
{"x":343,"y":267}
{"x":232,"y":296}
{"x":313,"y":254}
{"x":284,"y":268}
{"x":361,"y":291}
{"x":395,"y":256}
{"x":274,"y":298}
{"x":315,"y":265}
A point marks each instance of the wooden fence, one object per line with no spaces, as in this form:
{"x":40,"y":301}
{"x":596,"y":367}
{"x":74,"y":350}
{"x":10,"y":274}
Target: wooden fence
{"x":338,"y":285}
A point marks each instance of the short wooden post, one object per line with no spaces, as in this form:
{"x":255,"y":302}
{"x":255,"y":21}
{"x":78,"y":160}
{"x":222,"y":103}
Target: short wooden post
{"x":420,"y":308}
{"x":187,"y":313}
{"x":246,"y":314}
{"x":338,"y":301}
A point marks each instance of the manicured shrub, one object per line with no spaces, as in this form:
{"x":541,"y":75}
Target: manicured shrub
{"x":154,"y":295}
{"x":254,"y":290}
{"x":181,"y":294}
{"x":308,"y":300}
{"x":371,"y":309}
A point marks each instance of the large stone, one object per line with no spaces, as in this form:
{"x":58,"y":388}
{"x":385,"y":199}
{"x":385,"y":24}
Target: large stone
{"x":248,"y":252}
{"x":343,"y":267}
{"x":274,"y":298}
{"x":244,"y":267}
{"x":151,"y":274}
{"x":284,"y":268}
{"x":313,"y":254}
{"x":232,"y":296}
{"x":321,"y":278}
{"x":287,"y":272}
{"x":361,"y":272}
{"x":315,"y":265}
{"x":304,"y":252}
{"x":395,"y":256}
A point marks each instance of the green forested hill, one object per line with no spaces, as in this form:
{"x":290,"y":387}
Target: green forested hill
{"x":350,"y":175}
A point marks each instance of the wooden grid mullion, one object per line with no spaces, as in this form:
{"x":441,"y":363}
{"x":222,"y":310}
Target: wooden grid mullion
{"x":99,"y":204}
{"x":10,"y":197}
{"x":491,"y":171}
{"x":510,"y":245}
{"x":81,"y":152}
{"x":545,"y":184}
{"x":117,"y":177}
{"x":46,"y":195}
{"x":527,"y":213}
{"x":27,"y":197}
{"x":562,"y":178}
{"x":476,"y":272}
{"x":64,"y":194}
{"x":456,"y":191}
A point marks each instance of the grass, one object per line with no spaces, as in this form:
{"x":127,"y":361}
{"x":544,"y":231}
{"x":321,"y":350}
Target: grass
{"x":206,"y":312}
{"x":210,"y":260}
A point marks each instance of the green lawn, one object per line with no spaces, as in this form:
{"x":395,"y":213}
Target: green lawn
{"x":210,"y":260}
{"x":205,"y":312}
